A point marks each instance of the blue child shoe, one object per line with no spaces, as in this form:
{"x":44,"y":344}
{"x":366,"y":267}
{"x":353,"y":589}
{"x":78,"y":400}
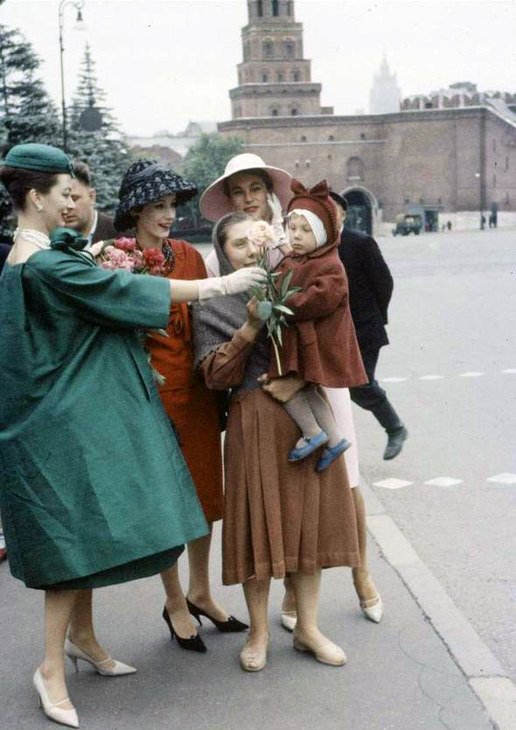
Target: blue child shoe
{"x":332,"y":453}
{"x":312,"y":443}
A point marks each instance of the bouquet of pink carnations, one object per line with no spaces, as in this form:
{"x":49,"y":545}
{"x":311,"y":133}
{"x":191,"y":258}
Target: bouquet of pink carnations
{"x":123,"y":253}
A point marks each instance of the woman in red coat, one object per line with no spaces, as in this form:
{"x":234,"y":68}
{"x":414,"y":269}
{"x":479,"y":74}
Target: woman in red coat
{"x":149,"y":195}
{"x":320,"y":345}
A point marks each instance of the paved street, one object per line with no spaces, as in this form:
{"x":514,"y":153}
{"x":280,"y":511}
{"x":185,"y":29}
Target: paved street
{"x":453,"y":315}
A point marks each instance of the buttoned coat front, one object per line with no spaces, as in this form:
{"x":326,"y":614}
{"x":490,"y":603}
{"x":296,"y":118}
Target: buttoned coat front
{"x":320,"y":344}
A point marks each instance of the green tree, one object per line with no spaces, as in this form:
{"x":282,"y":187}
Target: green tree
{"x":104,"y":150}
{"x":26,"y":112}
{"x":205,"y":162}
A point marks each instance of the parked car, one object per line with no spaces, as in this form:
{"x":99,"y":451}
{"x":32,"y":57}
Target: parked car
{"x":406,"y":224}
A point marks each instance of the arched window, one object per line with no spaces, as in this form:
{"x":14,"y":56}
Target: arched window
{"x":275,"y":8}
{"x":259,"y":8}
{"x":295,"y":75}
{"x":274,"y":112}
{"x":268,"y":48}
{"x":280,"y":77}
{"x":303,"y":138}
{"x":362,"y":135}
{"x":293,"y":112}
{"x":355,"y":169}
{"x":288,"y":49}
{"x":331,"y":138}
{"x":265,"y":78}
{"x":289,"y":7}
{"x":246,"y":51}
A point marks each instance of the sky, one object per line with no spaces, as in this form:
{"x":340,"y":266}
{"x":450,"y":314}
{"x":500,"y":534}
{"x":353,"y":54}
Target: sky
{"x":163,"y":63}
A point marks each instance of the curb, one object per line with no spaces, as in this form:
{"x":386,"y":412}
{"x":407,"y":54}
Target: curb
{"x":484,"y":673}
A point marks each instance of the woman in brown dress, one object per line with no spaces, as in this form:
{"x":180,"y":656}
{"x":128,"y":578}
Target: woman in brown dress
{"x":148,"y":198}
{"x":279,"y":518}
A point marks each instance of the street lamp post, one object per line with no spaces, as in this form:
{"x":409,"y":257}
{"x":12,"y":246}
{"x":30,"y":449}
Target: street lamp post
{"x":78,"y":4}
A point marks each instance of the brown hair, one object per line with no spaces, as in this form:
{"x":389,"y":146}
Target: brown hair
{"x":228,"y":220}
{"x":82,"y":172}
{"x":262,"y":174}
{"x":18,"y":182}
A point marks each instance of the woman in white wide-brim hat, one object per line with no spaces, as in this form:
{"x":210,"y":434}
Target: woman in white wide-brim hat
{"x":251,"y":186}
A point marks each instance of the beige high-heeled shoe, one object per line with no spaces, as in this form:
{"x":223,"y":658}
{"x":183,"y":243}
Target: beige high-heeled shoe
{"x":52,"y":710}
{"x":373,"y":609}
{"x":119,"y":669}
{"x":289,"y":620}
{"x":327,"y":653}
{"x":253,"y":659}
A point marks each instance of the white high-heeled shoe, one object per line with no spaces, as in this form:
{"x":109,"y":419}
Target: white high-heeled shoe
{"x":119,"y":669}
{"x":373,"y":609}
{"x":52,"y":710}
{"x":289,"y":620}
{"x":326,"y":653}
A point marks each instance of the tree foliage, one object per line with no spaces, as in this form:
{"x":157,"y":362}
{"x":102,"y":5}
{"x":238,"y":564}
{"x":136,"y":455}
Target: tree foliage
{"x":105,"y":150}
{"x":26,"y":112}
{"x":205,"y":161}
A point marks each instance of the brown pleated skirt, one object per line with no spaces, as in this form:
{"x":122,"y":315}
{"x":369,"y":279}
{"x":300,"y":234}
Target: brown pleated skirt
{"x":280,"y":517}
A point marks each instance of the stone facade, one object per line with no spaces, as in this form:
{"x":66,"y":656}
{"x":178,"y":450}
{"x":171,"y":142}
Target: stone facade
{"x":434,"y":160}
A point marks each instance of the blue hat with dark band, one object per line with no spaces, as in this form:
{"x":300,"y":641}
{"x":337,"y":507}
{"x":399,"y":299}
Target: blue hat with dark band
{"x":38,"y":157}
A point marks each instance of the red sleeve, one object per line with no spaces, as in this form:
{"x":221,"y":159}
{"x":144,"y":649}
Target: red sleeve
{"x":324,"y":287}
{"x":225,"y":368}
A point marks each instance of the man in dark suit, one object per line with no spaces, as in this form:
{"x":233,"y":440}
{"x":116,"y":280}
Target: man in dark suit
{"x":370,"y":290}
{"x":85,"y":218}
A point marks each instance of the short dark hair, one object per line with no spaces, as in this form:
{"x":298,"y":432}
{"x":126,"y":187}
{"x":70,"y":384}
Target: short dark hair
{"x":18,"y":182}
{"x":228,"y":220}
{"x":262,"y":174}
{"x":82,"y":172}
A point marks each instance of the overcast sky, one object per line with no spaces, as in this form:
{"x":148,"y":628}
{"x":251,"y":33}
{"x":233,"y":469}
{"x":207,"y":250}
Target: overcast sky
{"x":165,"y":62}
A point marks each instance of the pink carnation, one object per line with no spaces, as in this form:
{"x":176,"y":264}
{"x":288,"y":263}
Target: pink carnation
{"x":126,"y":244}
{"x":262,"y":234}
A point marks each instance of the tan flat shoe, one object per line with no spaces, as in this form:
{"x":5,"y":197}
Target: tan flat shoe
{"x":327,"y":653}
{"x":253,"y":659}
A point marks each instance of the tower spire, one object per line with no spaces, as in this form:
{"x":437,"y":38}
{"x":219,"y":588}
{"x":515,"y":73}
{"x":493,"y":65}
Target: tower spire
{"x":274,"y":78}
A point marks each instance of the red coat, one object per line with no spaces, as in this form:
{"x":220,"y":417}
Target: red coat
{"x":320,"y":344}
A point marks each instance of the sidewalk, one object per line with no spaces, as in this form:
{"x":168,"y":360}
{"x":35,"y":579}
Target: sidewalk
{"x":399,"y":674}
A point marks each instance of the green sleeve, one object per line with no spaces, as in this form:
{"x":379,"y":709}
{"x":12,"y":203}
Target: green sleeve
{"x":100,"y":296}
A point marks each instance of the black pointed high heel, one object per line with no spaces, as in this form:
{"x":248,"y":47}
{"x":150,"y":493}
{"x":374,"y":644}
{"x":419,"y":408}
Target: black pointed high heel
{"x":193,"y":643}
{"x":232,"y":625}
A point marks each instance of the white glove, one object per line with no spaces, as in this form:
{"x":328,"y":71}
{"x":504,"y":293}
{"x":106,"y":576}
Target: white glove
{"x":277,"y":219}
{"x":235,"y":283}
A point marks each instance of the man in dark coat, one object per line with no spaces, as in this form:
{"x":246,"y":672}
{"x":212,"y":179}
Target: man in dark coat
{"x":370,"y":290}
{"x":85,"y":218}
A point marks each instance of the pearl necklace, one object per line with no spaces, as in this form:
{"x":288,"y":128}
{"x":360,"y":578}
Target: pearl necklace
{"x":37,"y":238}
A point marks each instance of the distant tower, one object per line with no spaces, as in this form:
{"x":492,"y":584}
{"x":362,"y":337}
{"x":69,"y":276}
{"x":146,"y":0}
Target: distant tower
{"x":274,"y":79}
{"x":384,"y":97}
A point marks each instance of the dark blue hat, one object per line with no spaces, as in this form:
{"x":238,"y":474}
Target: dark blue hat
{"x":144,"y":182}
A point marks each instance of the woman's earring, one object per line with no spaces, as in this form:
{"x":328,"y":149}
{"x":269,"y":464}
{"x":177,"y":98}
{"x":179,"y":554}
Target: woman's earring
{"x":39,"y":207}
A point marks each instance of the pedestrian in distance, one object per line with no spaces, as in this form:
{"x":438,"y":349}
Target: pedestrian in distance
{"x":88,"y":457}
{"x":370,"y":291}
{"x":149,"y":196}
{"x":244,"y":187}
{"x":279,"y":518}
{"x":85,"y":218}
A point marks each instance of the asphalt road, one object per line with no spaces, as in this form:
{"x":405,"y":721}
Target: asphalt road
{"x":453,"y":315}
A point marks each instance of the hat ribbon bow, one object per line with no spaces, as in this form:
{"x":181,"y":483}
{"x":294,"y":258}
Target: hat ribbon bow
{"x":320,"y":190}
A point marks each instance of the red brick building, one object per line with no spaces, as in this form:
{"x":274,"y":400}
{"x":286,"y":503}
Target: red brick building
{"x":441,"y":158}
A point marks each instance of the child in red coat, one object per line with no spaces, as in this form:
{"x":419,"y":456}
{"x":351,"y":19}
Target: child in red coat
{"x":320,"y":344}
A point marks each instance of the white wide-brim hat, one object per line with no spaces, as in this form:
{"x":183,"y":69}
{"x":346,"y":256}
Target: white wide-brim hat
{"x":215,"y":203}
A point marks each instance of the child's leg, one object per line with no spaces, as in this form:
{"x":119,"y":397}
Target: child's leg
{"x":323,"y":414}
{"x":298,"y":408}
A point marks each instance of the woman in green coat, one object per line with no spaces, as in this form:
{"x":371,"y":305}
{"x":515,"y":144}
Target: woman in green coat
{"x":88,"y":459}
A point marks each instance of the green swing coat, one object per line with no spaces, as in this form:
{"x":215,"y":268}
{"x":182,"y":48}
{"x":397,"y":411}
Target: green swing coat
{"x":93,"y":487}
